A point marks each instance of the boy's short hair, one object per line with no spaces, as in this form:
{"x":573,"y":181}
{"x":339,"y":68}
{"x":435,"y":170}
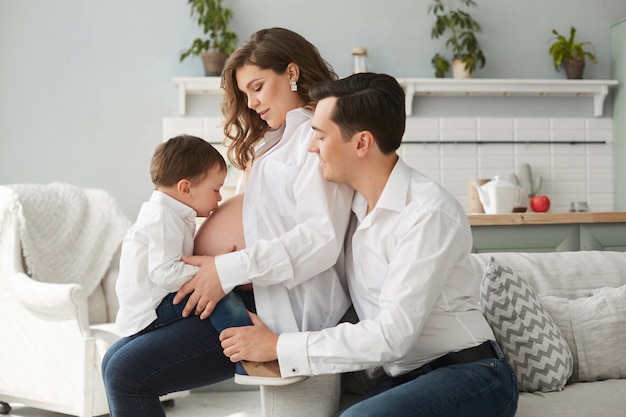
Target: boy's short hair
{"x":184,"y":157}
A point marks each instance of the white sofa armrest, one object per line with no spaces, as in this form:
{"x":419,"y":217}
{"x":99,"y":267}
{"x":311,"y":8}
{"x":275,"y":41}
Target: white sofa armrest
{"x":53,"y":301}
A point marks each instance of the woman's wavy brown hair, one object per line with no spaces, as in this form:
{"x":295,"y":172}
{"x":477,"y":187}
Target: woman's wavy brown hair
{"x":274,"y":49}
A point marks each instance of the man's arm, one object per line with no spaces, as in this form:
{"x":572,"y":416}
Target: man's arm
{"x":412,"y":285}
{"x":254,"y":343}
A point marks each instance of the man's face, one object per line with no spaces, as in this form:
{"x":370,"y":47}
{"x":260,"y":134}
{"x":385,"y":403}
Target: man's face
{"x":334,"y":152}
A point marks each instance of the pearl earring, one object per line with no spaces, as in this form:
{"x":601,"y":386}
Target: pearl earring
{"x":294,"y":86}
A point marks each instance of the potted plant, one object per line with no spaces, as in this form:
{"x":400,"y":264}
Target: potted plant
{"x":219,"y":40}
{"x":570,"y":54}
{"x":461,"y":29}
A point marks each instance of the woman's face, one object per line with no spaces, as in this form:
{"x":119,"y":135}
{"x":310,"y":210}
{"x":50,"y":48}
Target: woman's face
{"x":267,"y":93}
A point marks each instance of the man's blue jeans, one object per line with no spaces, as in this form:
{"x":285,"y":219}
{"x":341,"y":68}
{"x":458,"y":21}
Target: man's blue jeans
{"x":182,"y":355}
{"x":485,"y":388}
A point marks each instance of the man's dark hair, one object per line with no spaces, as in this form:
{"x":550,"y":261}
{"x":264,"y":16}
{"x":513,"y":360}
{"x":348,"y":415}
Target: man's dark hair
{"x":367,"y":101}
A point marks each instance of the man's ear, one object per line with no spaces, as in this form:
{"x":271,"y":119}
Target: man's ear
{"x":364,"y":142}
{"x":184,"y":188}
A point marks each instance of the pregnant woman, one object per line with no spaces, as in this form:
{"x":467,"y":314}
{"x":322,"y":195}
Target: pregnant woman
{"x":293,"y":222}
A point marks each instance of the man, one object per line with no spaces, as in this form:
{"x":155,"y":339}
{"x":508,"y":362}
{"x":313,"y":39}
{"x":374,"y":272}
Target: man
{"x":408,"y":270}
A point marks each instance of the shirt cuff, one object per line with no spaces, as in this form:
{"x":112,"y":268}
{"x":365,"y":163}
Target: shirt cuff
{"x":293,"y":354}
{"x":231,"y":270}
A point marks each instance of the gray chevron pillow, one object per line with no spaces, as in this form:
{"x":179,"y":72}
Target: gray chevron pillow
{"x":526,"y":333}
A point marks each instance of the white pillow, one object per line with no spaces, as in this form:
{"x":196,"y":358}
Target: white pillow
{"x":595,"y":328}
{"x":530,"y":340}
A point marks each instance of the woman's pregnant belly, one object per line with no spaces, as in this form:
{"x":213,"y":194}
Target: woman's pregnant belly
{"x":222,"y":229}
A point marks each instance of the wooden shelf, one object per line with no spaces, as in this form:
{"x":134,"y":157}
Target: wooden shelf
{"x":596,"y":89}
{"x":514,"y":219}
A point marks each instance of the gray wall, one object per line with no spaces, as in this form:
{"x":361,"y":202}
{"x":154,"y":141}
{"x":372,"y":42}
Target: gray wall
{"x":85,"y":84}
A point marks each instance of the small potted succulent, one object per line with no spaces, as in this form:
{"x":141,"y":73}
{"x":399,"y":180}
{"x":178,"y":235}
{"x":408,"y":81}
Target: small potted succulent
{"x":461,"y":29}
{"x":570,"y":54}
{"x":219,"y":41}
{"x":530,"y":186}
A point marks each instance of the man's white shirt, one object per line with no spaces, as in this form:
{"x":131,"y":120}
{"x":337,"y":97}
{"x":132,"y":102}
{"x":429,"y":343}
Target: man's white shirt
{"x":410,"y":281}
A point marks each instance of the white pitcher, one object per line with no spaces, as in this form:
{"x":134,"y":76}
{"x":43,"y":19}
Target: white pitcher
{"x":499,"y":196}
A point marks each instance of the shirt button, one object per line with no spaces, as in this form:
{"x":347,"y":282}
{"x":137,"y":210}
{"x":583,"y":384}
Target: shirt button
{"x":294,"y":370}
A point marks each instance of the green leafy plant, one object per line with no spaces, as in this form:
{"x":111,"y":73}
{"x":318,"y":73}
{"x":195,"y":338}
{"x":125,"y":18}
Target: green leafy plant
{"x":213,"y":18}
{"x":461,"y":29}
{"x":565,"y":49}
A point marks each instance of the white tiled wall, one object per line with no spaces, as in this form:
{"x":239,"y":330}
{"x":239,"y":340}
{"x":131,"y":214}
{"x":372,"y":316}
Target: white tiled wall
{"x":580,"y":172}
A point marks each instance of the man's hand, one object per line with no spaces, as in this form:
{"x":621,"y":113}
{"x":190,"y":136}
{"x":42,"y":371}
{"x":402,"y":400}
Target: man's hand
{"x":254,"y":343}
{"x":205,"y":288}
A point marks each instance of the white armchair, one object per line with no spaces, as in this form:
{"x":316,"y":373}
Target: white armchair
{"x":56,"y":311}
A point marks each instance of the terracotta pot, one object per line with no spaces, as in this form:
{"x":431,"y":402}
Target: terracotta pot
{"x":574,"y":69}
{"x":213,"y":62}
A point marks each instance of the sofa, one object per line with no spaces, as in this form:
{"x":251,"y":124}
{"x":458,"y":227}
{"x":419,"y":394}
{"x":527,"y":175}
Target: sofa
{"x":560,"y":319}
{"x":59,"y":256}
{"x":579,"y":301}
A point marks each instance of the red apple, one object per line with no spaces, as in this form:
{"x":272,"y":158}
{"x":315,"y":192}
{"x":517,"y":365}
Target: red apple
{"x":540,"y":203}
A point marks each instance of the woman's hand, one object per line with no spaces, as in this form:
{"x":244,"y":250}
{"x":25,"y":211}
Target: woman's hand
{"x":254,"y":343}
{"x":205,"y":288}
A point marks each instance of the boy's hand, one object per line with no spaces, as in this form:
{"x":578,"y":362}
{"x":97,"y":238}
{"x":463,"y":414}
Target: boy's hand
{"x":254,"y":343}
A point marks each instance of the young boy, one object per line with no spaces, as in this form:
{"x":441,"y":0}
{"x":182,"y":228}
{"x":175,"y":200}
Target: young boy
{"x":187,"y":173}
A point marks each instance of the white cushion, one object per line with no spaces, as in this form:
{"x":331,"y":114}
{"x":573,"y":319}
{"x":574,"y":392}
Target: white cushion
{"x":563,"y":274}
{"x":595,"y":328}
{"x":530,"y":340}
{"x":584,"y":399}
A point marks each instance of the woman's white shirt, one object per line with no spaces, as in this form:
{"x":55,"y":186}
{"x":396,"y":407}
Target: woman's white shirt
{"x":294,"y":227}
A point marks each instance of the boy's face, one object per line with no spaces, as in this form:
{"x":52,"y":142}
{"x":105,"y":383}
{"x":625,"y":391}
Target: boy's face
{"x":334,"y":152}
{"x":205,"y":195}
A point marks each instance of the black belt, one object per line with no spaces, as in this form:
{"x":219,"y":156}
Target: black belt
{"x":483,"y":351}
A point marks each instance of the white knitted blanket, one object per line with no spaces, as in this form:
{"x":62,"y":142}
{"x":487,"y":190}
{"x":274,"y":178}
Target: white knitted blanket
{"x":68,"y":234}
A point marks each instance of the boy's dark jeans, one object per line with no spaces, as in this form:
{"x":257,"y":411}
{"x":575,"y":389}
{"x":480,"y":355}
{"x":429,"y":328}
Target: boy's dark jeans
{"x":229,"y":312}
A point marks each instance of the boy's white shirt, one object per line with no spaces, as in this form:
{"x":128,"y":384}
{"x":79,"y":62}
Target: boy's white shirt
{"x":151,"y":263}
{"x":294,"y":227}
